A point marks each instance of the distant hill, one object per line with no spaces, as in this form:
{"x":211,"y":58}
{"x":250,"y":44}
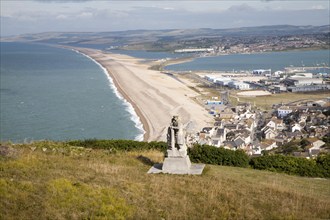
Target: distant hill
{"x":136,"y":37}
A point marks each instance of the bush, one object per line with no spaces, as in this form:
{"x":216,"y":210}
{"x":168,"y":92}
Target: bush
{"x":120,"y":145}
{"x":218,"y":156}
{"x":323,"y":162}
{"x":293,"y":165}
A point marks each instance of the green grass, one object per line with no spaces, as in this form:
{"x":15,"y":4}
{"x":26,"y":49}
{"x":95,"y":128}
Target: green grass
{"x":50,"y":180}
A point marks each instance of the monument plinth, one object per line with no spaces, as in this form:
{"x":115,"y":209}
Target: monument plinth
{"x":177,"y":161}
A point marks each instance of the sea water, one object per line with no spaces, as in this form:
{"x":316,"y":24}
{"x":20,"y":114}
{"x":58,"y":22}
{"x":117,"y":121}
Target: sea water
{"x":59,"y":94}
{"x":241,"y":62}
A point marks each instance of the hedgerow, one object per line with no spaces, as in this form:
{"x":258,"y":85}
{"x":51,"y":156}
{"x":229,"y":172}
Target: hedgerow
{"x":218,"y":156}
{"x":323,"y":163}
{"x":293,"y":165}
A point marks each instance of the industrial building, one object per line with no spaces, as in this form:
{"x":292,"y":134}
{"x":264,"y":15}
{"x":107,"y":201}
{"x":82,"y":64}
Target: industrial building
{"x":302,"y":79}
{"x":239,"y":85}
{"x":222,"y":81}
{"x":309,"y":88}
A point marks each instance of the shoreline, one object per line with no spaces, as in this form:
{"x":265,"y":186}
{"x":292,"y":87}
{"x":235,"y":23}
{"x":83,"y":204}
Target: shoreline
{"x":154,"y":96}
{"x":142,"y":119}
{"x":120,"y":93}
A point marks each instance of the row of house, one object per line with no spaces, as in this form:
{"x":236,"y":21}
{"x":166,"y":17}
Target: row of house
{"x":295,"y":123}
{"x":233,"y":128}
{"x":241,"y":127}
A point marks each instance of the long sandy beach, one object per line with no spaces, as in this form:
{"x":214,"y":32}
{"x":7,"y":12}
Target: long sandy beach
{"x":155,"y":96}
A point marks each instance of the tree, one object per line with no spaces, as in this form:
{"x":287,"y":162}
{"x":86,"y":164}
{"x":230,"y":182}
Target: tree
{"x":290,"y":147}
{"x":304,"y":143}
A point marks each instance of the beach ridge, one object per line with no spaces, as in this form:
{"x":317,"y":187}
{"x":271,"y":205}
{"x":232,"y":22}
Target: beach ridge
{"x":154,"y":96}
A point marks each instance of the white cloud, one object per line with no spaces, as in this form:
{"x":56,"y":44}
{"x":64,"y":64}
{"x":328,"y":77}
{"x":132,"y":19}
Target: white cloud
{"x":85,"y":15}
{"x":169,"y":8}
{"x":241,"y":8}
{"x":61,"y":17}
{"x":318,"y":7}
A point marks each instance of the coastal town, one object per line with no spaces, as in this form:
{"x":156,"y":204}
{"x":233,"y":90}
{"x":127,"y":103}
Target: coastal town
{"x":303,"y":124}
{"x":299,"y":128}
{"x":245,"y":44}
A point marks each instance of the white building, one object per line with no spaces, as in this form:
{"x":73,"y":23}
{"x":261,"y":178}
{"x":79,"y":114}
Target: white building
{"x":283,"y":111}
{"x":302,"y":79}
{"x":295,"y":127}
{"x":262,"y":72}
{"x":280,"y":88}
{"x":239,"y":85}
{"x":223,"y":81}
{"x":304,"y":75}
{"x":275,"y":124}
{"x":278,"y":73}
{"x":210,"y":78}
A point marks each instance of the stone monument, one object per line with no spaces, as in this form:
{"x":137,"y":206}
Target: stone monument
{"x":177,"y":161}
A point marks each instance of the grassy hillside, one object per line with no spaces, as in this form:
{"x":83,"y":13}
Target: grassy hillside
{"x":58,"y":181}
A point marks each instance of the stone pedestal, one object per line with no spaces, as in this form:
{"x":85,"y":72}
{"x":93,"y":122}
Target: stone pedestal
{"x":176,"y":153}
{"x":194,"y":169}
{"x":176,"y":164}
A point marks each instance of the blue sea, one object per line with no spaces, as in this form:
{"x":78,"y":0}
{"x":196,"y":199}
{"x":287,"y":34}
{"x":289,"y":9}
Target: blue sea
{"x":58,"y":94}
{"x":274,"y":61}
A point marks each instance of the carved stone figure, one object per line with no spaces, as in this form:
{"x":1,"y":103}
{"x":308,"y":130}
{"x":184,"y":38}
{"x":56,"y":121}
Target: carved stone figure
{"x":177,"y":160}
{"x":176,"y":139}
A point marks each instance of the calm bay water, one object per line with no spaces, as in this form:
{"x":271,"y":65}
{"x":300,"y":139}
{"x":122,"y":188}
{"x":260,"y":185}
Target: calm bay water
{"x":275,"y":61}
{"x":57,"y":94}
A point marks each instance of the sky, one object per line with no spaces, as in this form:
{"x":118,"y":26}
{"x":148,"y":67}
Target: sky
{"x":37,"y":16}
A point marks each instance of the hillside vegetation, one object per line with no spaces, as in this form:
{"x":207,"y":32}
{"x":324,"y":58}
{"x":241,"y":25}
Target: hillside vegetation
{"x":50,"y":180}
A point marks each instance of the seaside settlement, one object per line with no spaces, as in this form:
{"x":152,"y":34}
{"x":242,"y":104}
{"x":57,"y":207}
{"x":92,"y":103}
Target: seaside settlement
{"x":296,"y":128}
{"x":240,"y":127}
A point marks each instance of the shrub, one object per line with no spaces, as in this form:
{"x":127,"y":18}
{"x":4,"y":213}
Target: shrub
{"x":218,"y":156}
{"x":288,"y":164}
{"x":323,"y":162}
